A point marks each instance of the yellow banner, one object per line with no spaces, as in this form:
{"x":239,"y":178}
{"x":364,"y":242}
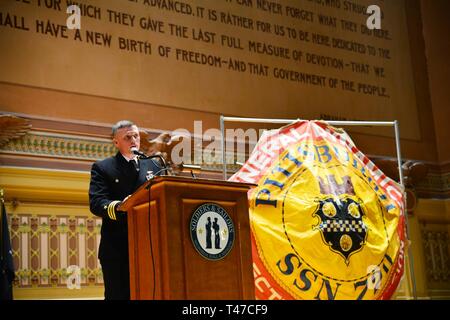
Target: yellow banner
{"x":326,"y":222}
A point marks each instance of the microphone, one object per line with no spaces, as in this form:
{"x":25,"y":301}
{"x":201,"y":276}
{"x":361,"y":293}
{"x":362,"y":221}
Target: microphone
{"x":135,"y":151}
{"x":142,"y":155}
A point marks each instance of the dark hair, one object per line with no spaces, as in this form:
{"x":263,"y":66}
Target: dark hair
{"x":121,"y":124}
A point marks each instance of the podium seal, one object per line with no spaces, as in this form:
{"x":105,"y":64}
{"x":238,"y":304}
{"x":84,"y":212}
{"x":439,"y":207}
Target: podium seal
{"x":212,"y":231}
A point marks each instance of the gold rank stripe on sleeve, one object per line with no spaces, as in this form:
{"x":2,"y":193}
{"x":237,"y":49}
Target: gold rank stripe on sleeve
{"x":111,"y":210}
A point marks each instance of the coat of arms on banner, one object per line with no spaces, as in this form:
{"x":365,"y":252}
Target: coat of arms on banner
{"x":326,"y":222}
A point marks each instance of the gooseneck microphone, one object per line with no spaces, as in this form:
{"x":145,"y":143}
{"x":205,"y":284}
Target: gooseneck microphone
{"x":135,"y":151}
{"x":142,"y":155}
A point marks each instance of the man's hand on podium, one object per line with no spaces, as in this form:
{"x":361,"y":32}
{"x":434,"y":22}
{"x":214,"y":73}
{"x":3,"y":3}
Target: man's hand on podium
{"x":119,"y":206}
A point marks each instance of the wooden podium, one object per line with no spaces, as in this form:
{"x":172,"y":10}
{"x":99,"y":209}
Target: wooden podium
{"x":165,"y":263}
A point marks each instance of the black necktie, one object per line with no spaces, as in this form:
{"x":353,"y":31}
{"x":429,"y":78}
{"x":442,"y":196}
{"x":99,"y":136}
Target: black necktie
{"x":135,"y":165}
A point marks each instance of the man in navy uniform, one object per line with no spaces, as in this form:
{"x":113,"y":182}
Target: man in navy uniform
{"x":112,"y":180}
